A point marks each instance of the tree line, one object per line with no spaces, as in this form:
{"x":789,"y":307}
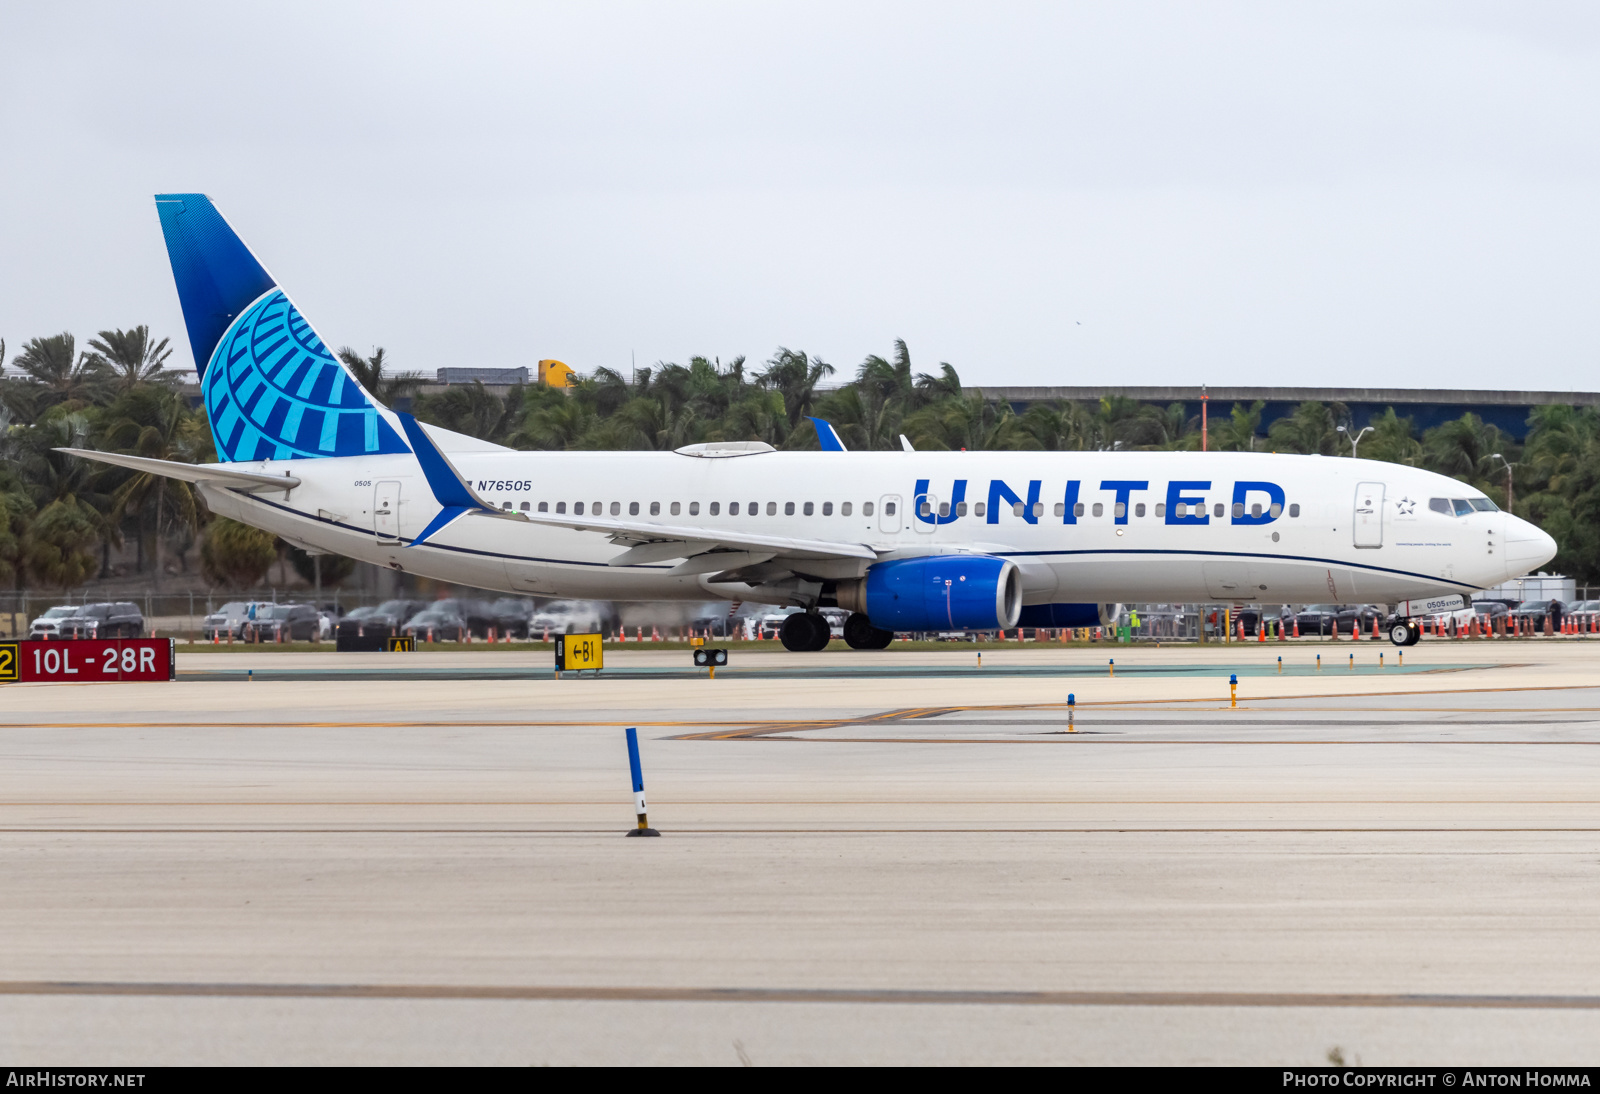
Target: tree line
{"x":60,"y":517}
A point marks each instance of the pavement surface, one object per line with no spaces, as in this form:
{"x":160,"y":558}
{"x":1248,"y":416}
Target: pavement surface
{"x":866,"y":858}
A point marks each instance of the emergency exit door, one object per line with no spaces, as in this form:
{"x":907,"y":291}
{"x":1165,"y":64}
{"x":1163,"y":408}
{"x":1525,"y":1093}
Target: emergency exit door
{"x":386,"y":511}
{"x":1369,"y":514}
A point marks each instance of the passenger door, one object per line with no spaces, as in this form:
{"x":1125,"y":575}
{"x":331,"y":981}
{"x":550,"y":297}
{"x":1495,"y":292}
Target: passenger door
{"x":889,"y":513}
{"x":386,"y":512}
{"x":1369,"y":514}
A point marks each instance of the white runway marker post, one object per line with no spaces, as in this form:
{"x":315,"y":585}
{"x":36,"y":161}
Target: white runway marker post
{"x":644,"y":828}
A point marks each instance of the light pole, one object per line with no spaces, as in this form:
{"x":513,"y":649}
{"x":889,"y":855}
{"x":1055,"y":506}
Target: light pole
{"x":1511,"y":493}
{"x":1356,"y":440}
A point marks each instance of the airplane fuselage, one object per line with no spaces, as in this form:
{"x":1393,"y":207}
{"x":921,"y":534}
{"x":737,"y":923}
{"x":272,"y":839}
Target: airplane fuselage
{"x":1081,"y":526}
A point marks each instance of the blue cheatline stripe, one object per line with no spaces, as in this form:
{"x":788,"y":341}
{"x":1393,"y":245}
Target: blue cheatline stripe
{"x":442,"y":479}
{"x":633,"y":760}
{"x":446,"y":515}
{"x":1008,"y":554}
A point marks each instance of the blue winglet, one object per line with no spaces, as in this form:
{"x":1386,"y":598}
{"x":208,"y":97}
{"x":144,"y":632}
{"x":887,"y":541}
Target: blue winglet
{"x":448,"y":487}
{"x":827,"y":436}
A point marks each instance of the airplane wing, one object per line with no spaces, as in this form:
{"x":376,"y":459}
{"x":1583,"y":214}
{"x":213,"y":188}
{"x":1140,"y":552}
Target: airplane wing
{"x":650,"y":542}
{"x":191,"y":472}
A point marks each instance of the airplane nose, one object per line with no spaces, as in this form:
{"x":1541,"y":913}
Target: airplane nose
{"x":1527,"y":547}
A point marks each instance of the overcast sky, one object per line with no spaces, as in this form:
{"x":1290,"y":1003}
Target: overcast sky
{"x":1378,"y":195}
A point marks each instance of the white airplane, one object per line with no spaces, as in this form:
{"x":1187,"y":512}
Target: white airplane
{"x":907,"y":541}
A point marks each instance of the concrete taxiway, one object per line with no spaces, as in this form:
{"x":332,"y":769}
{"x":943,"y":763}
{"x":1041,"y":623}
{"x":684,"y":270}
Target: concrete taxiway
{"x":866,"y":858}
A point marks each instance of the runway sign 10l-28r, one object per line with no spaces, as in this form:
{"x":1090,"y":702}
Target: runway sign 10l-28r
{"x":81,"y":660}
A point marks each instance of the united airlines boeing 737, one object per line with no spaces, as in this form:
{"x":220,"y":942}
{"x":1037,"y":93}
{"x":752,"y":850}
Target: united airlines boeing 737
{"x":907,"y":541}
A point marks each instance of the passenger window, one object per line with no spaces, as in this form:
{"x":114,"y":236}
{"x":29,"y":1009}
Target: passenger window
{"x":506,"y":505}
{"x":1077,"y":509}
{"x":694,"y":508}
{"x":1120,"y":510}
{"x":924,"y":509}
{"x":616,"y":508}
{"x":1016,"y":509}
{"x":844,"y":509}
{"x":577,"y":508}
{"x":1238,"y":510}
{"x":866,"y":508}
{"x":655,"y":509}
{"x":716,"y":507}
{"x":944,"y":509}
{"x":1038,"y":509}
{"x":961,"y":509}
{"x":523,"y":507}
{"x":1294,"y":509}
{"x":977,"y":509}
{"x":1061,"y":508}
{"x":633,"y":508}
{"x":1440,"y":505}
{"x":1161,"y":509}
{"x":677,"y":508}
{"x":1216,"y":509}
{"x":561,"y":507}
{"x":1276,"y":511}
{"x":772,"y":508}
{"x":888,"y":508}
{"x":1138,"y":510}
{"x":1462,"y":506}
{"x":1255,"y":509}
{"x":733,"y":508}
{"x":544,"y":507}
{"x":599,"y":508}
{"x":827,"y":508}
{"x":1099,"y":509}
{"x":807,"y":512}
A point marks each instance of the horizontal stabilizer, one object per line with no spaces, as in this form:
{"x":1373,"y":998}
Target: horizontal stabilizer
{"x":191,"y":472}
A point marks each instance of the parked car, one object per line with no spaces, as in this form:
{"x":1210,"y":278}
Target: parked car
{"x":1363,"y":615}
{"x":512,"y":615}
{"x":113,"y":619}
{"x":478,"y":614}
{"x":282,"y":623}
{"x":384,"y":621}
{"x":228,"y":621}
{"x":1491,"y":612}
{"x":567,"y":617}
{"x":438,"y":624}
{"x":1319,"y":619}
{"x":1533,"y":613}
{"x":48,"y":625}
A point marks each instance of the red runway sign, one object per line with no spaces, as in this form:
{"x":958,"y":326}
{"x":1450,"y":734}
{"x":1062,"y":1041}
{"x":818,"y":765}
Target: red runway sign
{"x":88,"y":659}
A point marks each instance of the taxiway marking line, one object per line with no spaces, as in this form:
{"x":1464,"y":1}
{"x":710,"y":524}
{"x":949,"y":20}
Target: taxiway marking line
{"x":902,"y":996}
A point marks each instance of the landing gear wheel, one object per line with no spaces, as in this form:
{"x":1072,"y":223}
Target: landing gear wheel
{"x":824,"y":633}
{"x":799,"y":632}
{"x":860,"y":634}
{"x":1405,"y":632}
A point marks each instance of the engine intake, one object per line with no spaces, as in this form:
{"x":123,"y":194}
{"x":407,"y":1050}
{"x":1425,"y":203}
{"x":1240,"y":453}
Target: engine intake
{"x":937,"y":592}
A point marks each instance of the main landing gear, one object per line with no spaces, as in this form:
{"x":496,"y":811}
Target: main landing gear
{"x":803,"y":631}
{"x":1405,"y":632}
{"x":860,"y":634}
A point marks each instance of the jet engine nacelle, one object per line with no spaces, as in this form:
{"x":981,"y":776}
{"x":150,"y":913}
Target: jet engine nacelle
{"x":937,"y":593}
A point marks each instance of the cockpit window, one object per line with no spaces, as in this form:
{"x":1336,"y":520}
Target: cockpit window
{"x":1440,"y":505}
{"x":1484,"y":505}
{"x":1463,"y":507}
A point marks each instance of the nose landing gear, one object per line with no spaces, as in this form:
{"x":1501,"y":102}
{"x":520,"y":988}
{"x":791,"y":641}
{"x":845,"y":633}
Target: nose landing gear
{"x":1405,"y":632}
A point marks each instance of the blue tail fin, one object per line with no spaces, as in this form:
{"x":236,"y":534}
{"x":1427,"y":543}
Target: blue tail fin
{"x":272,"y":390}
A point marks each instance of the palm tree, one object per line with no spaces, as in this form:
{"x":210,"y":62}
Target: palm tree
{"x":1312,"y":430}
{"x":157,"y":424}
{"x":54,"y":365}
{"x":1238,"y":432}
{"x":795,"y":376}
{"x":1464,"y":449}
{"x":1392,"y":440}
{"x":370,"y":374}
{"x":129,"y":356}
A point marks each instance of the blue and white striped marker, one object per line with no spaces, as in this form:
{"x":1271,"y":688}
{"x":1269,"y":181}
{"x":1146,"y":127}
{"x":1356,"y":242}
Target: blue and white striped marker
{"x":644,"y":828}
